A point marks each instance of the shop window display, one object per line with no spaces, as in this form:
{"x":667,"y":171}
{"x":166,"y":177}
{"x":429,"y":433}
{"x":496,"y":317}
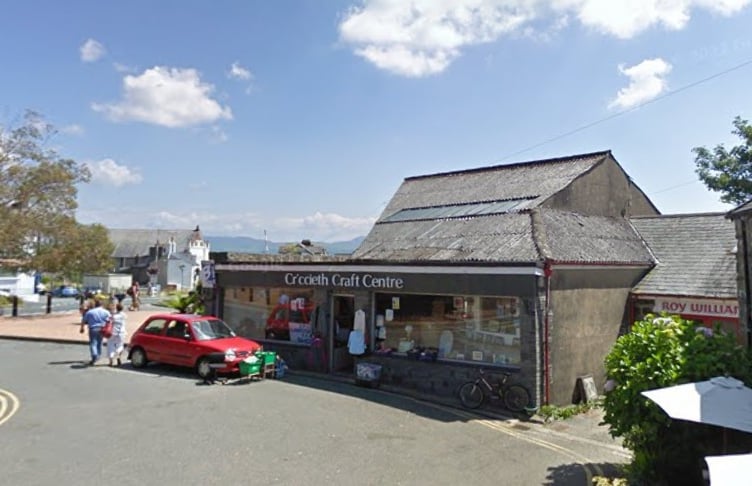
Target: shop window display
{"x":465,"y":328}
{"x":277,"y":313}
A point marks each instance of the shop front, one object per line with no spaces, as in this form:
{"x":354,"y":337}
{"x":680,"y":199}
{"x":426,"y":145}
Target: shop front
{"x":711,"y":313}
{"x":429,"y":327}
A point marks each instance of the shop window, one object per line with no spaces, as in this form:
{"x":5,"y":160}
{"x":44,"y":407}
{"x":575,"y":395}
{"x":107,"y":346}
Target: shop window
{"x":466,"y":328}
{"x":282,"y":314}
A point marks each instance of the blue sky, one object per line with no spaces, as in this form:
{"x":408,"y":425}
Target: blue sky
{"x":302,"y":118}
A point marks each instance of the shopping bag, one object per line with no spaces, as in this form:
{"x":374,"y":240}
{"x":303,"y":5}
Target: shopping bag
{"x":107,"y":329}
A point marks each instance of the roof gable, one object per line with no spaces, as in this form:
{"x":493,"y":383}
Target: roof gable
{"x":533,"y":182}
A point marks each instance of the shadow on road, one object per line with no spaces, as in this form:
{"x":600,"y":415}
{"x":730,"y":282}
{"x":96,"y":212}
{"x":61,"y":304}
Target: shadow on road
{"x":443,"y":410}
{"x":574,"y":474}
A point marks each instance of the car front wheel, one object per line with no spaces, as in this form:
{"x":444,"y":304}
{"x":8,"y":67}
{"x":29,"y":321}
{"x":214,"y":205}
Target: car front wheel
{"x":138,"y":358}
{"x":203,"y":370}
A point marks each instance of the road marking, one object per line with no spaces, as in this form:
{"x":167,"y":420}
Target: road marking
{"x":588,"y":466}
{"x":9,"y":405}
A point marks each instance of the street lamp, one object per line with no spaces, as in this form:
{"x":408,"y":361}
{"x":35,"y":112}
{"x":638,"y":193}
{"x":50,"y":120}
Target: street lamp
{"x":182,"y":268}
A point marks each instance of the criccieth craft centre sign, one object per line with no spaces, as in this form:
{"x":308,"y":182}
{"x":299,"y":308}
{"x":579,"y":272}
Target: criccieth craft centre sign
{"x":698,"y":307}
{"x":354,"y":280}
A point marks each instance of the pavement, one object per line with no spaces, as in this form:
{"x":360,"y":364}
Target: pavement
{"x":64,"y":328}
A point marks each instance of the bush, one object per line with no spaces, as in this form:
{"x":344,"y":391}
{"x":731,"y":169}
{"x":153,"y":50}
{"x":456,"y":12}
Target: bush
{"x":190,"y":303}
{"x":659,"y":352}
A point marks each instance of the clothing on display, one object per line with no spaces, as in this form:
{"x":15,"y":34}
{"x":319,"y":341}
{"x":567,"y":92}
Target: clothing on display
{"x":356,"y":343}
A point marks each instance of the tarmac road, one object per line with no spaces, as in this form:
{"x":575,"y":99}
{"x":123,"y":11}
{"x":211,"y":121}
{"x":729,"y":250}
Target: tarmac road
{"x":80,"y":425}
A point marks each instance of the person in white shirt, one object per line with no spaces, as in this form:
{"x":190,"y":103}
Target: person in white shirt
{"x":116,"y":342}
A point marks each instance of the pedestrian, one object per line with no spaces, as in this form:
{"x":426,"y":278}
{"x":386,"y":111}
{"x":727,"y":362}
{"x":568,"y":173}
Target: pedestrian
{"x":95,"y":318}
{"x":133,"y":291}
{"x":116,"y":342}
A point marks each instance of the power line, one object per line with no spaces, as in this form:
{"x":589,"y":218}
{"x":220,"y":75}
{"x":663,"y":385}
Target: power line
{"x":675,"y":187}
{"x":615,"y":115}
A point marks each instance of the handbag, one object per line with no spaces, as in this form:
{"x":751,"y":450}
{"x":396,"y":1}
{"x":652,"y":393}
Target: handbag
{"x":107,"y":329}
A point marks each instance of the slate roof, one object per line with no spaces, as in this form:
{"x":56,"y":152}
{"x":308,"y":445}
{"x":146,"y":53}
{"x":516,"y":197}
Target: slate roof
{"x":695,"y":255}
{"x":574,"y":238}
{"x":136,"y":242}
{"x":744,"y":208}
{"x":537,"y":180}
{"x":523,"y":234}
{"x":523,"y":237}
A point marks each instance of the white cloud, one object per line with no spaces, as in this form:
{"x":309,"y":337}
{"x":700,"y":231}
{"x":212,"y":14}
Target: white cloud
{"x":123,"y":68}
{"x":239,"y":72}
{"x":73,"y":129}
{"x":91,"y":51}
{"x":108,"y":172}
{"x":171,"y":97}
{"x":218,"y":135}
{"x":417,"y":38}
{"x":627,"y":18}
{"x":318,"y":227}
{"x":646,"y":81}
{"x":422,"y":37}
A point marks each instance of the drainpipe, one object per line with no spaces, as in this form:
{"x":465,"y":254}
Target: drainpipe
{"x":547,"y":271}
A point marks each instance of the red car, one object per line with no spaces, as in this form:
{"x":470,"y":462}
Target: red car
{"x":188,"y":340}
{"x":278,"y":322}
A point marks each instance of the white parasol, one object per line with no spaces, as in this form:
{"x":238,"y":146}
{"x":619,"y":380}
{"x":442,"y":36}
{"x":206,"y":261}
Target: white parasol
{"x":730,"y":470}
{"x":722,"y":401}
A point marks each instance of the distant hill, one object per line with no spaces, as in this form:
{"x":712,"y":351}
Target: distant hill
{"x":246,"y":244}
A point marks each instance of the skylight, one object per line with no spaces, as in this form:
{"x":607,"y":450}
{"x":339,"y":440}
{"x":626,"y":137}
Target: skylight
{"x":455,"y":210}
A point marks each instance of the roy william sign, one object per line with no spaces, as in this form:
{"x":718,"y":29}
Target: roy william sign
{"x":698,"y":307}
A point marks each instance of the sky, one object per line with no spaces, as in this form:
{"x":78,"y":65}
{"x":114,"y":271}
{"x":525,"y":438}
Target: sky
{"x":300,"y":119}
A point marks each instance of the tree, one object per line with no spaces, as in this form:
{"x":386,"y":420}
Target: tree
{"x":76,"y":249}
{"x":38,"y":190}
{"x":656,"y":353}
{"x":728,"y":171}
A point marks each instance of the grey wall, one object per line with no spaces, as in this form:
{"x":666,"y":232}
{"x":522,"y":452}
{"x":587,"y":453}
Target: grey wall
{"x":604,"y":191}
{"x":588,"y":310}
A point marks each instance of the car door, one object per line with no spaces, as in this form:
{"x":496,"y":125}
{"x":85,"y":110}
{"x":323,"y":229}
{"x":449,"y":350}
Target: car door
{"x":151,"y":336}
{"x":177,"y":343}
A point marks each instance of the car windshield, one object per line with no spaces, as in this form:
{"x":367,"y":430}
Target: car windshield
{"x":206,"y":330}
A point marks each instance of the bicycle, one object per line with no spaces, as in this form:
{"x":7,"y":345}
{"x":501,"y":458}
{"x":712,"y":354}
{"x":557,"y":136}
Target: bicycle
{"x":515,"y":397}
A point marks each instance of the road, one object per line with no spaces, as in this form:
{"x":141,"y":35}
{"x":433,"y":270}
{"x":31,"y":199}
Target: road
{"x":74,"y":424}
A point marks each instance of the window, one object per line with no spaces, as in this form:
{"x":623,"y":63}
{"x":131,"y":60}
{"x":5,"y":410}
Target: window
{"x":280,"y":313}
{"x":155,"y":326}
{"x":466,"y":328}
{"x":176,"y":329}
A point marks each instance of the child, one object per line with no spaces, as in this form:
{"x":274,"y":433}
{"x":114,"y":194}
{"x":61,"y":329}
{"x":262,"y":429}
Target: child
{"x":116,"y":342}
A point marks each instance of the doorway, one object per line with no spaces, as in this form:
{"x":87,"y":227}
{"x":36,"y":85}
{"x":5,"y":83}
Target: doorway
{"x":343,"y":317}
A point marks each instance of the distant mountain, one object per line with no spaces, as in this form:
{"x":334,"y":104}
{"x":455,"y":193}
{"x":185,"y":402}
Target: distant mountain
{"x":246,"y":244}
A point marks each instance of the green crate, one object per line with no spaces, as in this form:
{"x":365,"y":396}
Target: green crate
{"x":247,"y":369}
{"x":267,"y":357}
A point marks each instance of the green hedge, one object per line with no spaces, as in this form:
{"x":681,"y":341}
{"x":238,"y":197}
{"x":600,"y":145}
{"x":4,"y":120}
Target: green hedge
{"x":662,"y":351}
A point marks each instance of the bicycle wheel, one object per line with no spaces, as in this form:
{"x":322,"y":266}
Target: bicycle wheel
{"x":471,"y":395}
{"x":516,"y":398}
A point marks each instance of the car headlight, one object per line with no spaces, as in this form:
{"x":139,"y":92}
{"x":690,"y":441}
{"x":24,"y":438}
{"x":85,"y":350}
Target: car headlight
{"x":230,"y":355}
